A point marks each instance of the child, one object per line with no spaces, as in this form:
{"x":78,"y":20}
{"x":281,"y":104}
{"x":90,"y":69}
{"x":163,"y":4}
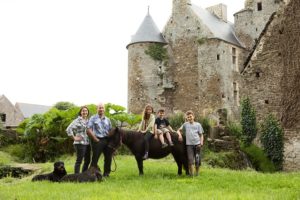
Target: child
{"x":162,"y":126}
{"x":193,"y":132}
{"x":147,"y":127}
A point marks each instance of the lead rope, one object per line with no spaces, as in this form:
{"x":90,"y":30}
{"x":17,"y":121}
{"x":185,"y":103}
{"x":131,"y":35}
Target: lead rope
{"x":115,"y":164}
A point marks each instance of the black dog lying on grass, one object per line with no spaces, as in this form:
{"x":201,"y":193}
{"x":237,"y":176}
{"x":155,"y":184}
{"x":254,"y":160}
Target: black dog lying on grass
{"x":91,"y":175}
{"x":55,"y":176}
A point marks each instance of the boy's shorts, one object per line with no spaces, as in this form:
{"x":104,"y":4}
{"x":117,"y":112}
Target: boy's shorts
{"x":162,"y":130}
{"x":193,"y":153}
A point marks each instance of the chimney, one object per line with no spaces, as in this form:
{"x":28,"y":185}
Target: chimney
{"x":220,"y":10}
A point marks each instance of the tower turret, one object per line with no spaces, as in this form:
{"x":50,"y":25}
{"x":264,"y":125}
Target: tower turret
{"x":143,"y":71}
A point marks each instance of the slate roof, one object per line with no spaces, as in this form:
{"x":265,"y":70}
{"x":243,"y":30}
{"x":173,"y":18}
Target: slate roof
{"x":219,"y":28}
{"x":147,"y":32}
{"x":30,"y":109}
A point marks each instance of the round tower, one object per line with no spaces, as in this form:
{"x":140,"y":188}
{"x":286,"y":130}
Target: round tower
{"x":144,"y":72}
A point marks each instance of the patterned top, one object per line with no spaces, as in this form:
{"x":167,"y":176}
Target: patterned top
{"x":78,"y":127}
{"x":100,"y":126}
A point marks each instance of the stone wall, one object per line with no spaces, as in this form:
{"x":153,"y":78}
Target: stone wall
{"x":144,"y":79}
{"x":271,"y":79}
{"x":250,"y":22}
{"x":291,"y":150}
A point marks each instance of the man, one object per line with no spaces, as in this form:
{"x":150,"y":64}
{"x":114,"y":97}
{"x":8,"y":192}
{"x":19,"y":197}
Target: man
{"x":98,"y":129}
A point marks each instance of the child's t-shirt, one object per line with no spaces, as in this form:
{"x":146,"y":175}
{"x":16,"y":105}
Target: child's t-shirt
{"x":161,"y":123}
{"x":192,"y":132}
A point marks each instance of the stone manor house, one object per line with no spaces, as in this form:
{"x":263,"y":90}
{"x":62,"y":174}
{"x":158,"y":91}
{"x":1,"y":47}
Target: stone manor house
{"x":212,"y":63}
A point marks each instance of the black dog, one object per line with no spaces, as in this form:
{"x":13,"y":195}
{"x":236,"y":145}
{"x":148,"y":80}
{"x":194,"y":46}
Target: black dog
{"x":91,"y":175}
{"x":55,"y":176}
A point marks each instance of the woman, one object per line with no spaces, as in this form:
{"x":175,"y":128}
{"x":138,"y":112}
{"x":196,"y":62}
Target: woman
{"x":77,"y":130}
{"x":147,"y":127}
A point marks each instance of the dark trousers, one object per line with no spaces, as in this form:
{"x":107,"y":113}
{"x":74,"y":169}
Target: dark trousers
{"x":102,"y":147}
{"x":82,"y":152}
{"x":147,"y":137}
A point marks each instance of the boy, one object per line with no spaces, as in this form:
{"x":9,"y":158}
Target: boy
{"x":193,"y":132}
{"x":161,"y":127}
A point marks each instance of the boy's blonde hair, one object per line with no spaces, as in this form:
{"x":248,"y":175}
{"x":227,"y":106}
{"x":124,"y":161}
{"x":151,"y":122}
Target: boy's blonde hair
{"x":189,"y":112}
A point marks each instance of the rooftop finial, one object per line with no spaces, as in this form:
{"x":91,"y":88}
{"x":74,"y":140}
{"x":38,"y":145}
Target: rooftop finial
{"x":148,"y":10}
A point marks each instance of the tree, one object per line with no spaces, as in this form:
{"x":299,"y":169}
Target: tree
{"x":248,"y":122}
{"x":63,"y":105}
{"x":272,"y":140}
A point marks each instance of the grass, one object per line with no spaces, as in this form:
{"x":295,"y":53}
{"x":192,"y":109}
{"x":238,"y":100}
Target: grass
{"x":159,"y":182}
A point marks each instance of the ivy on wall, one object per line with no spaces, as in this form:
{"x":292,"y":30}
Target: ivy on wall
{"x":201,"y":40}
{"x":157,"y":52}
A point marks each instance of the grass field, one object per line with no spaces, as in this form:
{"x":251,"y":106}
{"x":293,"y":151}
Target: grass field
{"x":159,"y":182}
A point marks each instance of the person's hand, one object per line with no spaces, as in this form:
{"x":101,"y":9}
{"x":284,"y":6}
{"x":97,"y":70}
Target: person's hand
{"x":78,"y":138}
{"x":96,"y":139}
{"x":180,"y":138}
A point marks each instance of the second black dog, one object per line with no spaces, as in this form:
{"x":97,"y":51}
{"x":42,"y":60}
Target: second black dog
{"x":91,"y":175}
{"x":55,"y":176}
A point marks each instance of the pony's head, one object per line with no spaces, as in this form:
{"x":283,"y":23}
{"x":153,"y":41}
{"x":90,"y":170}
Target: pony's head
{"x":115,"y":138}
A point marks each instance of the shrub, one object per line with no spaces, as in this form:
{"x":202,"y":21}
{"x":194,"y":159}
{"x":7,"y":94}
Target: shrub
{"x":230,"y":159}
{"x":176,"y":120}
{"x":248,"y":122}
{"x":235,"y":129}
{"x":64,"y":105}
{"x":258,"y":158}
{"x":17,"y":150}
{"x":205,"y":123}
{"x":272,"y":140}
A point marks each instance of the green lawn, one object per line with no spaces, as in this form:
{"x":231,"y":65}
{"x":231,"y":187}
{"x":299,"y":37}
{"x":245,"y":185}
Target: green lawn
{"x":159,"y":182}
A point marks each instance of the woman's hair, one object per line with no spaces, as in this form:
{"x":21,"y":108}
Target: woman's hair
{"x":81,"y":108}
{"x":145,"y":112}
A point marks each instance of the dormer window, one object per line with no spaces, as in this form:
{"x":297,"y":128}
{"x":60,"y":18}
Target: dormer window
{"x":259,"y":6}
{"x":3,"y":117}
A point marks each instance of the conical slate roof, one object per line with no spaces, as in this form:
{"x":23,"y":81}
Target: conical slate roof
{"x":147,"y":32}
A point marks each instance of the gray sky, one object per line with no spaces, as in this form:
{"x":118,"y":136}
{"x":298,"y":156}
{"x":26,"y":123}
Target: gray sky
{"x":74,"y":50}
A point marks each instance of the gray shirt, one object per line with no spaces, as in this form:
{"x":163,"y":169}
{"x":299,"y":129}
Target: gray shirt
{"x":192,"y":132}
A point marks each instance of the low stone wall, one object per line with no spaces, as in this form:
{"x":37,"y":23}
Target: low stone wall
{"x":291,"y":150}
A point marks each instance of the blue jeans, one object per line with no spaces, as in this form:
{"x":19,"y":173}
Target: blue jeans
{"x":82,"y":152}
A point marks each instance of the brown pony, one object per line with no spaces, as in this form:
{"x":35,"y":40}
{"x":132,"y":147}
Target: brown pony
{"x":135,"y":142}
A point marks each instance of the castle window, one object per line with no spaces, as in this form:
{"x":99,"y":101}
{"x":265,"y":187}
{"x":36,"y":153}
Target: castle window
{"x":266,"y":101}
{"x":3,"y":117}
{"x":257,"y":74}
{"x":259,"y":6}
{"x":236,"y":93}
{"x":218,"y":56}
{"x":234,"y":59}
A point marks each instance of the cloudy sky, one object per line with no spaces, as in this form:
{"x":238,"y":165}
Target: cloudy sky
{"x":74,"y":50}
